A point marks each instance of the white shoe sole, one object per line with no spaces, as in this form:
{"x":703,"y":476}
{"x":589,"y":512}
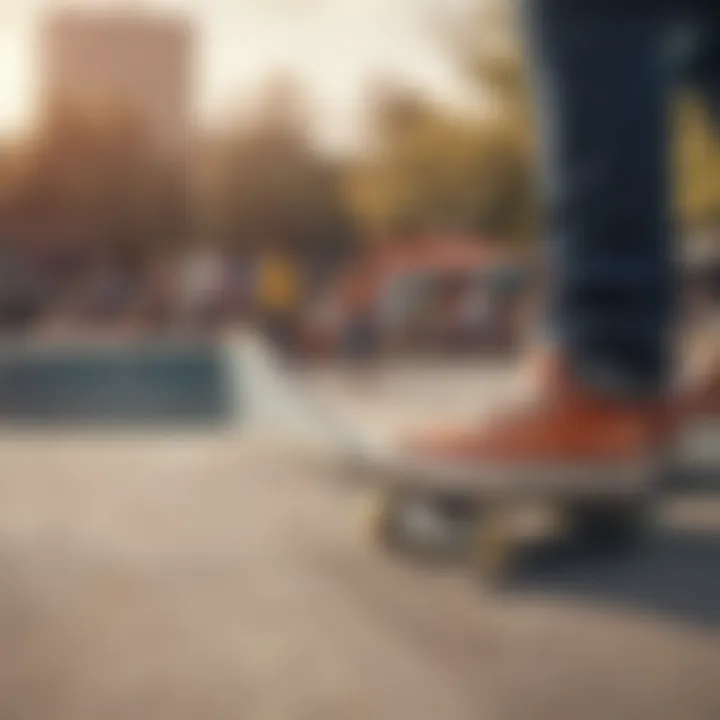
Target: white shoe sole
{"x":506,"y":480}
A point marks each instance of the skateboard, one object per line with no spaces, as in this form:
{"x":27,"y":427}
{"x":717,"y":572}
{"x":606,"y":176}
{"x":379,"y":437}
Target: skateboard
{"x":495,"y":513}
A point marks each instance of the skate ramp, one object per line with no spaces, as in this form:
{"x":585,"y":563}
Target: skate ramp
{"x":239,"y":383}
{"x":276,"y":401}
{"x":101,"y":386}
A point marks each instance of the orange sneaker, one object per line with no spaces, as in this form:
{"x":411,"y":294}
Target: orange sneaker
{"x":566,"y":436}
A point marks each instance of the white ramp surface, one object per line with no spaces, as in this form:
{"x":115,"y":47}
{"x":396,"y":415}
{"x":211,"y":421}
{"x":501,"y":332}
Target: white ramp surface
{"x":275,"y":400}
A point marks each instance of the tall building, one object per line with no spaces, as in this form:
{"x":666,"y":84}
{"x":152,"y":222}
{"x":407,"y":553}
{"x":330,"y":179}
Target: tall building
{"x":139,"y":62}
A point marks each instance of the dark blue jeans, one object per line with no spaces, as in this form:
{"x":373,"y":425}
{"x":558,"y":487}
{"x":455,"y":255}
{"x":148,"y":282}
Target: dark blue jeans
{"x":604,"y":72}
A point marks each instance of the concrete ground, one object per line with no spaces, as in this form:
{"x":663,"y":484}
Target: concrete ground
{"x":222,"y":577}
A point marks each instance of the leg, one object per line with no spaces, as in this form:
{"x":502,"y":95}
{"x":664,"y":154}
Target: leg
{"x":603,"y":87}
{"x":700,"y":54}
{"x":602,"y":95}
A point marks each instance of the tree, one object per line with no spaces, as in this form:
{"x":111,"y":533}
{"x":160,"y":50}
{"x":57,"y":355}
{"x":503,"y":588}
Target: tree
{"x":488,"y":52}
{"x":95,"y":176}
{"x":264,"y":181}
{"x":439,"y":172}
{"x":430,"y":168}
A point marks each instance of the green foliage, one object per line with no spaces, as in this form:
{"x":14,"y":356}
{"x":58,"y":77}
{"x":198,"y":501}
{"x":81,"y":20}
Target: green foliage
{"x":431,"y":169}
{"x":444,"y":173}
{"x":698,"y":163}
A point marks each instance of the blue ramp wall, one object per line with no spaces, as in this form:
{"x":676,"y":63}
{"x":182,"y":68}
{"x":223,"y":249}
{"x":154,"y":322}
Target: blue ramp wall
{"x":149,"y":384}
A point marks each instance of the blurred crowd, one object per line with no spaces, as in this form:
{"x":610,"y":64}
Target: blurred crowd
{"x":307,"y":305}
{"x":77,"y":292}
{"x":440,"y":296}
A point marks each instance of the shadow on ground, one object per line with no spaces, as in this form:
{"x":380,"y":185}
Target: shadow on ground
{"x":675,"y":574}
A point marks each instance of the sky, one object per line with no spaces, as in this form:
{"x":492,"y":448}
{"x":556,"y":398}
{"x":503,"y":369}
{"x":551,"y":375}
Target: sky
{"x":335,"y":47}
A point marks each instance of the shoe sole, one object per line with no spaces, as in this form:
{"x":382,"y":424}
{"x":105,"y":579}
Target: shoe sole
{"x":496,"y":481}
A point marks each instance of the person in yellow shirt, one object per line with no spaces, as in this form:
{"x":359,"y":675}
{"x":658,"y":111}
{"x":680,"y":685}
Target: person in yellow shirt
{"x":279,"y":294}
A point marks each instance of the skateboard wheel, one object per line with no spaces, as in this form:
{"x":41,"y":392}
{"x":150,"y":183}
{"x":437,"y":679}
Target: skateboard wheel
{"x":491,"y":549}
{"x":422,"y":525}
{"x":381,"y":512}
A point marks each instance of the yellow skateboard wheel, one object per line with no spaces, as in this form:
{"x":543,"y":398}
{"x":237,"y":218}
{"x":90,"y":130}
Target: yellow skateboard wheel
{"x":380,"y":516}
{"x":491,"y":546}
